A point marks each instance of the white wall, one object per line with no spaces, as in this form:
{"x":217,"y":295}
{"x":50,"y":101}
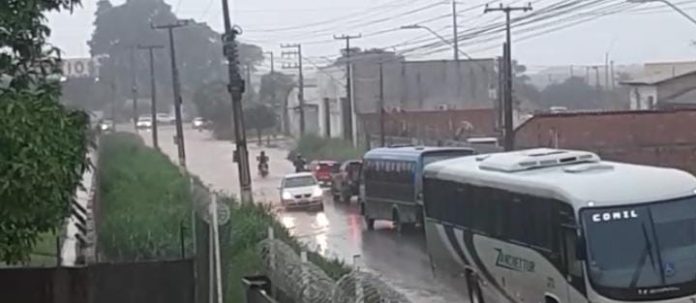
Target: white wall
{"x":643,"y":97}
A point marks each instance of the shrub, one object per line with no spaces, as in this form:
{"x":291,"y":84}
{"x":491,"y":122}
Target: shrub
{"x":313,"y":147}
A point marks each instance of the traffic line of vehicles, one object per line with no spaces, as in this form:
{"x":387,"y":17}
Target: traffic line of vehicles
{"x":539,"y":225}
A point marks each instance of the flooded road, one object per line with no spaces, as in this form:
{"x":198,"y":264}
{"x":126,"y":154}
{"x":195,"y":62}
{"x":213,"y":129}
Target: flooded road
{"x":338,"y":231}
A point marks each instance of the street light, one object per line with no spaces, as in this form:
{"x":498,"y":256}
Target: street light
{"x":416,"y":26}
{"x":670,"y":4}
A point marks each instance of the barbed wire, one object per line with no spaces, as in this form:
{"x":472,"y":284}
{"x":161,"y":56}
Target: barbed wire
{"x":303,"y":281}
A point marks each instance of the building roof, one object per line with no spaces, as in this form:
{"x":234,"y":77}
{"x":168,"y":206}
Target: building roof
{"x":654,"y":79}
{"x":579,"y":182}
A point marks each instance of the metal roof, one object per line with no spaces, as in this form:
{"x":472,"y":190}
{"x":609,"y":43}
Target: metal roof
{"x":654,"y":79}
{"x":603,"y":183}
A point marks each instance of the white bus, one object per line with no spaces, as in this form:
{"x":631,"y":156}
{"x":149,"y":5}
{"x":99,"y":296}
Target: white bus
{"x":555,"y":226}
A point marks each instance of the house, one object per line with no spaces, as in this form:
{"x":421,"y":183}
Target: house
{"x":663,"y":85}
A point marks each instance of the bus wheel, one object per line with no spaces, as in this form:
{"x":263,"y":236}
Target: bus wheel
{"x":368,"y":221}
{"x":475,"y":295}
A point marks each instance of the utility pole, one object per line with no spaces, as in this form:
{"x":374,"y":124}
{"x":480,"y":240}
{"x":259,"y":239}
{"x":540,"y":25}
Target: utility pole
{"x":348,"y":128}
{"x":509,"y":137}
{"x":236,"y":89}
{"x":611,"y":75}
{"x":153,"y":91}
{"x":272,"y":63}
{"x":587,"y":74}
{"x":606,"y":71}
{"x":176,"y":86}
{"x":327,"y":118}
{"x":597,"y":85}
{"x":134,"y":87}
{"x":382,"y":140}
{"x":300,"y":94}
{"x":455,"y":40}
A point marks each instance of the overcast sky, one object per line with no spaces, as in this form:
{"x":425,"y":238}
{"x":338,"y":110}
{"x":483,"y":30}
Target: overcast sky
{"x":638,"y":34}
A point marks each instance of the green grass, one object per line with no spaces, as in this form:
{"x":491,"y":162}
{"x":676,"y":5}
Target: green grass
{"x":144,"y":201}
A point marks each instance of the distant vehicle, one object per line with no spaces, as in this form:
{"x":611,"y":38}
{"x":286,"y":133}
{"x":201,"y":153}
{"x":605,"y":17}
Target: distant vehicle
{"x":548,"y":225}
{"x":346,"y":182}
{"x":323,"y":170}
{"x":391,"y":185}
{"x":558,"y":109}
{"x":301,"y":190}
{"x":144,"y":122}
{"x":106,"y":125}
{"x":165,"y":119}
{"x":200,"y":123}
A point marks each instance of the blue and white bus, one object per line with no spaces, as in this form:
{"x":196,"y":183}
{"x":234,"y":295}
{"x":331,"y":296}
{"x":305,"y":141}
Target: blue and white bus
{"x":391,"y":182}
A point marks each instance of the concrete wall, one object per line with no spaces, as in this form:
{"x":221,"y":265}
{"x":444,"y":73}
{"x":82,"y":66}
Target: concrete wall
{"x":670,"y":68}
{"x":331,"y":86}
{"x":661,"y":138}
{"x":445,"y":125}
{"x":424,"y":85}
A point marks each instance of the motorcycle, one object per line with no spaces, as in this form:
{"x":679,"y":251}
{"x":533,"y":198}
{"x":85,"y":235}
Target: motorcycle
{"x":263,"y":169}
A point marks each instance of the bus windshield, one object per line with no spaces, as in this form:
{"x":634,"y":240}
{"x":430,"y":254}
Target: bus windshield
{"x":645,"y":249}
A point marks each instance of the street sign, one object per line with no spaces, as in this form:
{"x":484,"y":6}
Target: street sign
{"x":223,"y":214}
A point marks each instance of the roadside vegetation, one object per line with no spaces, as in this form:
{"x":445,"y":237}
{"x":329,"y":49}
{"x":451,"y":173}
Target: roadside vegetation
{"x":313,"y":147}
{"x":42,"y":143}
{"x":145,"y":201}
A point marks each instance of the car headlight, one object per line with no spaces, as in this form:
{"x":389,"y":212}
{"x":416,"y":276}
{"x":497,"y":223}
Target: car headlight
{"x":318,"y":192}
{"x":287,"y":196}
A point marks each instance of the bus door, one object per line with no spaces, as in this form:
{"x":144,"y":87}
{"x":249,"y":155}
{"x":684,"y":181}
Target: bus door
{"x":574,"y":278}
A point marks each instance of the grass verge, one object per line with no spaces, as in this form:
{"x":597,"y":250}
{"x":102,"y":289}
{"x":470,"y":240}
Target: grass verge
{"x":144,"y":200}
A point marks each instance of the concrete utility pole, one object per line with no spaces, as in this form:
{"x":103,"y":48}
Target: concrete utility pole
{"x":612,"y":76}
{"x":509,"y":137}
{"x":236,"y":89}
{"x":300,"y":94}
{"x":272,"y":63}
{"x":134,"y":87}
{"x":327,"y":118}
{"x":348,"y":127}
{"x":176,"y":86}
{"x":382,"y":139}
{"x":153,"y":91}
{"x":606,"y":71}
{"x":455,"y":30}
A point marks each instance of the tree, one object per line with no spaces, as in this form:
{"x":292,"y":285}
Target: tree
{"x":574,"y":93}
{"x":198,"y":48}
{"x":42,"y":144}
{"x":275,"y":88}
{"x":214,"y":104}
{"x":523,"y":90}
{"x":259,"y":117}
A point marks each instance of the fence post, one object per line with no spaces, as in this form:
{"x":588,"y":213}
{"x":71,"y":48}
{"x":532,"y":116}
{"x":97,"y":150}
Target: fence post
{"x":358,"y":280}
{"x":272,"y":260}
{"x":305,"y":277}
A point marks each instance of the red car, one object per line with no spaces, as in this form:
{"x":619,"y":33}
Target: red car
{"x":323,"y":171}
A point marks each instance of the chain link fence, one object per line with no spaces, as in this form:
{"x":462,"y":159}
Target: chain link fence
{"x":295,"y":278}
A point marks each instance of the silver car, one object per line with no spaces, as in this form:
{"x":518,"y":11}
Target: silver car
{"x":301,"y":190}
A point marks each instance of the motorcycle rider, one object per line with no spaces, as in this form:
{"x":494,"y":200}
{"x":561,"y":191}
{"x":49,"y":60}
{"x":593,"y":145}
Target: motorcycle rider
{"x":299,"y":163}
{"x":263,"y":160}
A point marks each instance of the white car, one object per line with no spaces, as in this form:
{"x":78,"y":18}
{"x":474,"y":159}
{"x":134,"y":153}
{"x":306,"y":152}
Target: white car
{"x":199,"y":123}
{"x":301,"y":190}
{"x":144,"y":123}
